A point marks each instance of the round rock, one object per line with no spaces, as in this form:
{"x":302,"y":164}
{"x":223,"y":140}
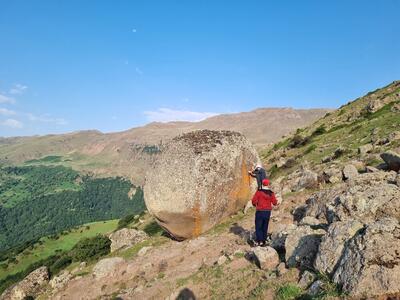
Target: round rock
{"x":200,"y":178}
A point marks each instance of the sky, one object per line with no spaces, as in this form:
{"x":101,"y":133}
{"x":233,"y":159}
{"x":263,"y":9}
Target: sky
{"x":113,"y":65}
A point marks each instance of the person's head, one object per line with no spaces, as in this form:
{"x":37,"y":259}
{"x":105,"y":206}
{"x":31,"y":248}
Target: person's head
{"x":258,"y":166}
{"x":266,"y":182}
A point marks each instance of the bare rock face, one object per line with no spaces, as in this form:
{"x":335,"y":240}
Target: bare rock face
{"x":266,"y":257}
{"x":200,"y":178}
{"x":107,"y":266}
{"x":126,"y":238}
{"x":333,"y":243}
{"x":370,"y":264}
{"x":30,"y":286}
{"x":301,"y":246}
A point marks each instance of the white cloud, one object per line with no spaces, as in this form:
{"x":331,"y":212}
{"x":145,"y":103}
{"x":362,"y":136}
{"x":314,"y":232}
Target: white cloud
{"x":12,"y":123}
{"x":46,"y":119}
{"x":138,"y":71}
{"x":6,"y":99}
{"x":6,"y":112}
{"x":18,"y":89}
{"x":168,"y":115}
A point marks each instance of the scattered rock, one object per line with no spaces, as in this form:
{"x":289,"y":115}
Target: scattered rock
{"x":370,"y":169}
{"x":143,"y":251}
{"x":200,"y":178}
{"x":61,"y":280}
{"x":350,"y":172}
{"x":332,"y":175}
{"x":107,"y":266}
{"x":266,"y":257}
{"x":364,"y":149}
{"x":333,"y":243}
{"x":316,"y":288}
{"x":126,"y":238}
{"x":301,"y":246}
{"x":309,"y":221}
{"x":306,"y":279}
{"x":306,"y":180}
{"x":30,"y":286}
{"x":392,"y":159}
{"x":370,"y":264}
{"x":221,"y":260}
{"x":281,"y":269}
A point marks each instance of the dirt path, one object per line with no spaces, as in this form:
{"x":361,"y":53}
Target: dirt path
{"x":189,"y":266}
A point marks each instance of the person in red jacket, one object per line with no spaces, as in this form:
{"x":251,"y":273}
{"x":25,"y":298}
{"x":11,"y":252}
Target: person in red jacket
{"x":263,"y":200}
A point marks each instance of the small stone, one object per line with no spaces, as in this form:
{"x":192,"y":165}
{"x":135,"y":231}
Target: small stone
{"x":316,"y":288}
{"x":281,"y":269}
{"x":363,"y":150}
{"x":370,"y":169}
{"x":306,"y":279}
{"x":221,"y":260}
{"x":143,"y":251}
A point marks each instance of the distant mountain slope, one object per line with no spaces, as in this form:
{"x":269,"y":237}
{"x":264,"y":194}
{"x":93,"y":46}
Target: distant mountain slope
{"x":130,"y":152}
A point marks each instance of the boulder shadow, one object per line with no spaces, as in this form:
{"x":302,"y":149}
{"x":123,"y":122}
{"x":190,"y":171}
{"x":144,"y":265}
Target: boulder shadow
{"x":244,"y":234}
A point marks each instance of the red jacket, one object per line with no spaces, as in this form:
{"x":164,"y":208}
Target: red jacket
{"x":264,"y":199}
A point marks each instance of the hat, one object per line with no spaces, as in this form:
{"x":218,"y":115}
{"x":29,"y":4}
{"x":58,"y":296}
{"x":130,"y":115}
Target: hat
{"x":265,"y":182}
{"x":258,"y":166}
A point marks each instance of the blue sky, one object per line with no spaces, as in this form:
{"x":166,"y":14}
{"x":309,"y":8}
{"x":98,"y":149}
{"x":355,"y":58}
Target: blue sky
{"x":113,"y":65}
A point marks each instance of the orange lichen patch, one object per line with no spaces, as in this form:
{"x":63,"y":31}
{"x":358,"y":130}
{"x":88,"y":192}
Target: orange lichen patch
{"x":197,"y":220}
{"x":241,"y":189}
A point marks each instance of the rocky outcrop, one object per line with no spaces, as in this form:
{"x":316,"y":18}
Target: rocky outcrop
{"x":107,"y":266}
{"x":392,"y":159}
{"x":301,"y":246}
{"x":370,"y":264}
{"x":61,"y":280}
{"x":30,"y":286}
{"x":200,"y":178}
{"x":302,"y":179}
{"x":333,"y":244}
{"x":126,"y":238}
{"x":266,"y":257}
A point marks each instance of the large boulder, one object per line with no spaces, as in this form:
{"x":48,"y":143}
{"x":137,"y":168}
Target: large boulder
{"x":200,"y":178}
{"x":392,"y":159}
{"x":125,"y":238}
{"x":333,"y":243}
{"x":30,"y":286}
{"x":350,"y":172}
{"x":370,"y":264}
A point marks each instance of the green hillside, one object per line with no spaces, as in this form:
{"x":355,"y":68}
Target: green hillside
{"x":373,"y":119}
{"x":52,"y":245}
{"x":39,"y":200}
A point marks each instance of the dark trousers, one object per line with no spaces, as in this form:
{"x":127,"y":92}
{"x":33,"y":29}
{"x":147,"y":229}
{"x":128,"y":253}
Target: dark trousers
{"x":262,"y":221}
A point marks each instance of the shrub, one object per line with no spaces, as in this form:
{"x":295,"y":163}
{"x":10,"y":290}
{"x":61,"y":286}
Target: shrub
{"x":91,"y":248}
{"x":298,"y":141}
{"x":60,"y":264}
{"x":320,"y":130}
{"x":125,"y":221}
{"x":288,"y":291}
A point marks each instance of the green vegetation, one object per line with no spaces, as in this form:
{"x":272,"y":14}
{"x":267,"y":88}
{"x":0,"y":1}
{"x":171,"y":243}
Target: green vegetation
{"x":91,"y":248}
{"x":288,"y":291}
{"x":43,"y":200}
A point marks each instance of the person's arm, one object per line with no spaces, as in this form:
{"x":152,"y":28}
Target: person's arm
{"x":273,"y":199}
{"x":252,"y":174}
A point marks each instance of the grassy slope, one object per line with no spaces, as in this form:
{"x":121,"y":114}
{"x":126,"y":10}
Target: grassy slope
{"x":49,"y":246}
{"x":348,"y":127}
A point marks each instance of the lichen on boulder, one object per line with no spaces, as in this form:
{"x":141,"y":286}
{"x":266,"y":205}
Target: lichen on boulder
{"x":200,"y":178}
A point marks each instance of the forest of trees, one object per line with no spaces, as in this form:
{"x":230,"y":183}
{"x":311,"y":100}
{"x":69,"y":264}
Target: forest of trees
{"x":41,"y":200}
